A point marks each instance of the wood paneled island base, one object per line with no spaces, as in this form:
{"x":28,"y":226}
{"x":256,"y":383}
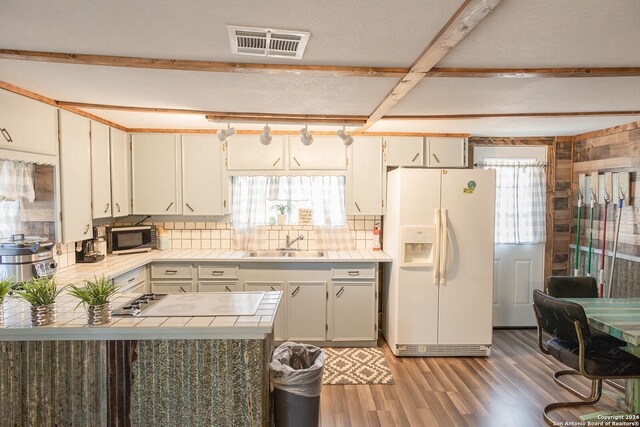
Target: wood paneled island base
{"x":223,"y":382}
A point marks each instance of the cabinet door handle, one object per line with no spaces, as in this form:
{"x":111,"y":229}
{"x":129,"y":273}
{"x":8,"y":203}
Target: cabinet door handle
{"x":217,"y":272}
{"x":118,"y":207}
{"x":190,"y":208}
{"x":340,"y":291}
{"x":170,"y":271}
{"x":107,"y":208}
{"x":182,"y":289}
{"x":276,"y":162}
{"x":131,"y":280}
{"x":358,"y":207}
{"x":436,"y":157}
{"x":296,"y":160}
{"x":415,"y":157}
{"x":224,"y":204}
{"x":353,"y":273}
{"x":6,"y":134}
{"x":86,"y":230}
{"x":227,"y":288}
{"x":272,"y":288}
{"x":295,"y":291}
{"x":168,"y":207}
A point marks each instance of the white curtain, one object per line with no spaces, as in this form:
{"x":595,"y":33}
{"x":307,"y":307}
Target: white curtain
{"x":248,"y":209}
{"x":16,"y":185}
{"x":520,"y":201}
{"x":325,"y":194}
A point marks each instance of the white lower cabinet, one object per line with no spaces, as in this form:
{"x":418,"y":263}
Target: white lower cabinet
{"x":306,"y":311}
{"x":259,"y":286}
{"x":133,"y":282}
{"x":353,"y":310}
{"x":170,"y":287}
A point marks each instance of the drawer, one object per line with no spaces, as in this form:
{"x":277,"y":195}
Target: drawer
{"x":354,"y":271}
{"x":170,"y":287}
{"x":215,"y":272}
{"x":171,"y":271}
{"x":125,"y":281}
{"x":138,"y":288}
{"x":217,"y":286}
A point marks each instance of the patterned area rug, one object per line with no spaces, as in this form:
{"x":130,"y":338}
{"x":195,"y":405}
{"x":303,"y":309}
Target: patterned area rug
{"x":355,"y":366}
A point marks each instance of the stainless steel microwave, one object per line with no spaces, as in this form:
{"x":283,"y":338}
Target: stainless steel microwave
{"x":128,"y":240}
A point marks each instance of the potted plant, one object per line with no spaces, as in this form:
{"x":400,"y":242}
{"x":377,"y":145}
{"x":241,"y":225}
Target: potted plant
{"x":282,"y":210}
{"x":41,"y":293}
{"x":95,"y":295}
{"x":5,"y":287}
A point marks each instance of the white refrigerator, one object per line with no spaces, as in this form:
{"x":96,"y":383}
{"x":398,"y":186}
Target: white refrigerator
{"x":439,"y":231}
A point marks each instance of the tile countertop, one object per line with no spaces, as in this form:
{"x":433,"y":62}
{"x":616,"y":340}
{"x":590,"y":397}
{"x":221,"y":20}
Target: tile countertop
{"x":115,"y":265}
{"x":71,"y":323}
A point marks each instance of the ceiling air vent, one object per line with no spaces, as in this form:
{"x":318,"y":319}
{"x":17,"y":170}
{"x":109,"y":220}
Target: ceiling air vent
{"x":266,"y":42}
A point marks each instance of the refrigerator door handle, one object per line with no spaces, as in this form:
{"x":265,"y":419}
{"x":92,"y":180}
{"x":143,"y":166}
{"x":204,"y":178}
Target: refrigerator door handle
{"x":436,"y":250}
{"x":445,"y":244}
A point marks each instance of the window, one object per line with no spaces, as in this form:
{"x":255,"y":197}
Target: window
{"x":520,"y":200}
{"x":16,"y":187}
{"x":254,"y":199}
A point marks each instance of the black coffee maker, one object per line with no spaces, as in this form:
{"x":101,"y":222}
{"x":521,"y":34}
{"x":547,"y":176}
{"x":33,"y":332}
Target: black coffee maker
{"x":88,"y":251}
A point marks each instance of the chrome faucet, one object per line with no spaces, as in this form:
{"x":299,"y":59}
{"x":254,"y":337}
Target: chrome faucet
{"x":291,"y":242}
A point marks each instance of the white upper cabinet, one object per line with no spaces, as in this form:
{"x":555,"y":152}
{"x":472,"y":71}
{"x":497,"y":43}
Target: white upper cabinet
{"x":446,"y":152}
{"x":120,"y":174}
{"x":404,"y":150}
{"x":155,"y":172}
{"x":366,"y":187}
{"x":201,"y":176}
{"x":100,"y":171}
{"x":325,"y":153}
{"x":27,"y":125}
{"x":246,"y":153}
{"x":75,"y":173}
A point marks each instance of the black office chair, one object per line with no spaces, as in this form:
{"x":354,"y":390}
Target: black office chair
{"x":573,"y":346}
{"x":581,"y":287}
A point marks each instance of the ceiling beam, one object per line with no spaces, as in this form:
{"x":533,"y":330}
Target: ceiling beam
{"x":500,"y":115}
{"x":461,"y":23}
{"x":206,"y":66}
{"x":524,"y":73}
{"x":218,"y":116}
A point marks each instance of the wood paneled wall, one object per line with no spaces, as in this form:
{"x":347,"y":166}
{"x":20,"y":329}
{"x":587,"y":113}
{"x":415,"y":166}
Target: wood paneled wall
{"x":559,"y":165}
{"x":611,"y":150}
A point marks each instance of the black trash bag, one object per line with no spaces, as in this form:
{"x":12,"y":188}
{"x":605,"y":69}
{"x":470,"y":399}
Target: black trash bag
{"x":297,"y":368}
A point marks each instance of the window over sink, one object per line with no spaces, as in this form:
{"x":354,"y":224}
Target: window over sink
{"x":259,"y":201}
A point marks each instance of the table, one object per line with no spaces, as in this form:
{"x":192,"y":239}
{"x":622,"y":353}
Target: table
{"x":619,"y":317}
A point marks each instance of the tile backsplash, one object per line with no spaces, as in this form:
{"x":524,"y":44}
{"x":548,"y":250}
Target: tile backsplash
{"x":219,"y":235}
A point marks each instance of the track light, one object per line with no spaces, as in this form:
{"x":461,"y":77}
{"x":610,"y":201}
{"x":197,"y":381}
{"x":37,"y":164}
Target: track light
{"x":265,"y":136}
{"x":345,"y":137}
{"x":305,"y":137}
{"x":223,"y":134}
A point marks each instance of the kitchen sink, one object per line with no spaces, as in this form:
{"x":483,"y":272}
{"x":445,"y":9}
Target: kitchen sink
{"x":285,"y":254}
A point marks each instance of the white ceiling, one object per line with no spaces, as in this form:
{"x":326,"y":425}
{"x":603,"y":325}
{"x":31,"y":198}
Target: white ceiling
{"x":483,"y":95}
{"x":518,"y":33}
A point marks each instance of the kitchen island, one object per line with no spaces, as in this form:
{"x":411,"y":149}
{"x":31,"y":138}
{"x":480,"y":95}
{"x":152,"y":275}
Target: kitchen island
{"x":136,"y":370}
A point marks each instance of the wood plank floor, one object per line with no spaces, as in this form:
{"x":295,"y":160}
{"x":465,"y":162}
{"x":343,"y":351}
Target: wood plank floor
{"x":509,"y":388}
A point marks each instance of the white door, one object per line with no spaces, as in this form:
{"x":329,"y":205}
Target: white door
{"x":306,"y":311}
{"x":100,"y":171}
{"x":365,"y":195}
{"x":120,"y":173}
{"x":404,"y":150}
{"x":352,"y":311}
{"x":201,"y":175}
{"x":326,"y":153}
{"x":246,"y":153}
{"x":519,"y":269}
{"x":75,"y":177}
{"x":466,"y":272}
{"x":154,"y":168}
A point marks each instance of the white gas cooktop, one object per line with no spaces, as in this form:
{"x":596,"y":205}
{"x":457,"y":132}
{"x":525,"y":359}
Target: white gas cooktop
{"x":206,"y":304}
